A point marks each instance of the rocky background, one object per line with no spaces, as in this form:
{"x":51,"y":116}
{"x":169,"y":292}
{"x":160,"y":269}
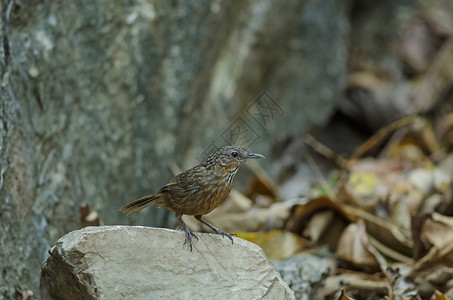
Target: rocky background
{"x":100,"y":98}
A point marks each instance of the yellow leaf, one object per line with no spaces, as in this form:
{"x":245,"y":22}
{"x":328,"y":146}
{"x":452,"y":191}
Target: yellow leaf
{"x":277,"y":244}
{"x":362,"y":183}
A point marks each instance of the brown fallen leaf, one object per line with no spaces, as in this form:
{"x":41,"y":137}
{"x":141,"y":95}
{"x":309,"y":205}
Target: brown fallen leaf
{"x":24,"y":294}
{"x":389,"y":252}
{"x":402,"y":289}
{"x":353,"y":282}
{"x":237,"y":202}
{"x":88,"y":217}
{"x":301,"y":213}
{"x":446,"y":131}
{"x":370,"y":181}
{"x":318,"y":224}
{"x":437,"y":80}
{"x":261,"y":184}
{"x":399,"y":211}
{"x":417,"y":45}
{"x":383,"y":231}
{"x":321,"y":220}
{"x":378,"y":136}
{"x":344,"y":297}
{"x":353,"y":249}
{"x":361,"y":188}
{"x":437,"y":278}
{"x":436,"y":234}
{"x":422,"y":131}
{"x":407,"y":150}
{"x":440,"y":276}
{"x":419,"y":249}
{"x":437,"y":231}
{"x":366,"y":80}
{"x":277,"y":244}
{"x":439,"y":296}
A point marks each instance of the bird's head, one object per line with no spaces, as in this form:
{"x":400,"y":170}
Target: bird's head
{"x":229,"y":158}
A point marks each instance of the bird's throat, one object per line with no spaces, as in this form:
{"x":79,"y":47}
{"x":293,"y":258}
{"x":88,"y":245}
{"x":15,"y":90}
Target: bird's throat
{"x":231,"y":175}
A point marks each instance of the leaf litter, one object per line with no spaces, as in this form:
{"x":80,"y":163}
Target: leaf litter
{"x":385,"y":219}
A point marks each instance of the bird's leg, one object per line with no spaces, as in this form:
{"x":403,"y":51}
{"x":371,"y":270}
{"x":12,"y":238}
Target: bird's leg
{"x":216,"y":229}
{"x":188,"y":232}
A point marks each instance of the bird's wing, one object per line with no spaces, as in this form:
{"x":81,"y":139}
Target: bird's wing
{"x":182,"y":184}
{"x":172,"y":186}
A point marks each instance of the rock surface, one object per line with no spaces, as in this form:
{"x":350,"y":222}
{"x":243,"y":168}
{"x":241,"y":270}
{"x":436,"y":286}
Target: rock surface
{"x":128,"y":262}
{"x":304,"y":274}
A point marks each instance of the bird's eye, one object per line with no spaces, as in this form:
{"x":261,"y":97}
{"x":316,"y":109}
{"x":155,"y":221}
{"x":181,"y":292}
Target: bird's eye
{"x":234,"y":154}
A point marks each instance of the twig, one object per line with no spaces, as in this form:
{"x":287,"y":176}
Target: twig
{"x":324,"y":150}
{"x":365,"y":147}
{"x":422,"y":100}
{"x":320,"y":177}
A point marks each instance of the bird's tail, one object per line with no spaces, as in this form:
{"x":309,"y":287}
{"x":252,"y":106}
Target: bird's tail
{"x":139,"y":204}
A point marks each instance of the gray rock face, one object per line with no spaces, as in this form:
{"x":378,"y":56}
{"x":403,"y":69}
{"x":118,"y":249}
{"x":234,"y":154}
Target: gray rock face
{"x":126,"y":262}
{"x":304,"y":273}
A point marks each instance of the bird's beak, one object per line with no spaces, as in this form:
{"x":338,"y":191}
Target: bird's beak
{"x":255,"y":155}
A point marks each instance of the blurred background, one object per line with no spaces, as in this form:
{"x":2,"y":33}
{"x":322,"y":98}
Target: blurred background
{"x":103,"y":101}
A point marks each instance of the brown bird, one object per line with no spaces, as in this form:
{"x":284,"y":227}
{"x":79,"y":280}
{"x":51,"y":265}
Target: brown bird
{"x":198,"y":190}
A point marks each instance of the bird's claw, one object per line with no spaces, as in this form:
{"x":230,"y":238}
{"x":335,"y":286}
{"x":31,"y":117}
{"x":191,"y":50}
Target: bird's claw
{"x":189,"y":235}
{"x":229,"y":235}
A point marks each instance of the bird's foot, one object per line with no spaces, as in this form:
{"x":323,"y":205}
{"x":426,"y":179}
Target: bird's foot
{"x":229,"y":235}
{"x":189,"y":235}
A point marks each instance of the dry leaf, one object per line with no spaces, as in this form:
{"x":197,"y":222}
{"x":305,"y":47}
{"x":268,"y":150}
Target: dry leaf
{"x":318,"y":224}
{"x":402,"y":289}
{"x":354,"y":281}
{"x":423,"y":133}
{"x":417,"y":44}
{"x":362,"y":183}
{"x":441,"y":180}
{"x":440,"y":276}
{"x":301,"y":213}
{"x":389,"y":252}
{"x":365,"y":80}
{"x":436,"y":234}
{"x":344,"y":297}
{"x":370,"y":181}
{"x":261,"y":184}
{"x":277,"y":244}
{"x":88,"y":217}
{"x":382,"y":230}
{"x":439,"y":296}
{"x":446,"y":131}
{"x":320,"y":219}
{"x":406,"y":151}
{"x":403,"y":193}
{"x":437,"y":80}
{"x":437,"y":231}
{"x":421,"y":179}
{"x":353,"y":250}
{"x":419,"y":249}
{"x":431,"y":204}
{"x":24,"y":294}
{"x":399,"y":213}
{"x":236,"y":202}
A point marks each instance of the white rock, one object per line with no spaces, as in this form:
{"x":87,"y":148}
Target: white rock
{"x":129,"y":262}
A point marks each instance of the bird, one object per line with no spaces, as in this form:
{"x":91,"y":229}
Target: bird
{"x":199,"y":190}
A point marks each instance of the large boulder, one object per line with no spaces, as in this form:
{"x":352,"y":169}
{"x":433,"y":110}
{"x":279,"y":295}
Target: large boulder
{"x":134,"y":262}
